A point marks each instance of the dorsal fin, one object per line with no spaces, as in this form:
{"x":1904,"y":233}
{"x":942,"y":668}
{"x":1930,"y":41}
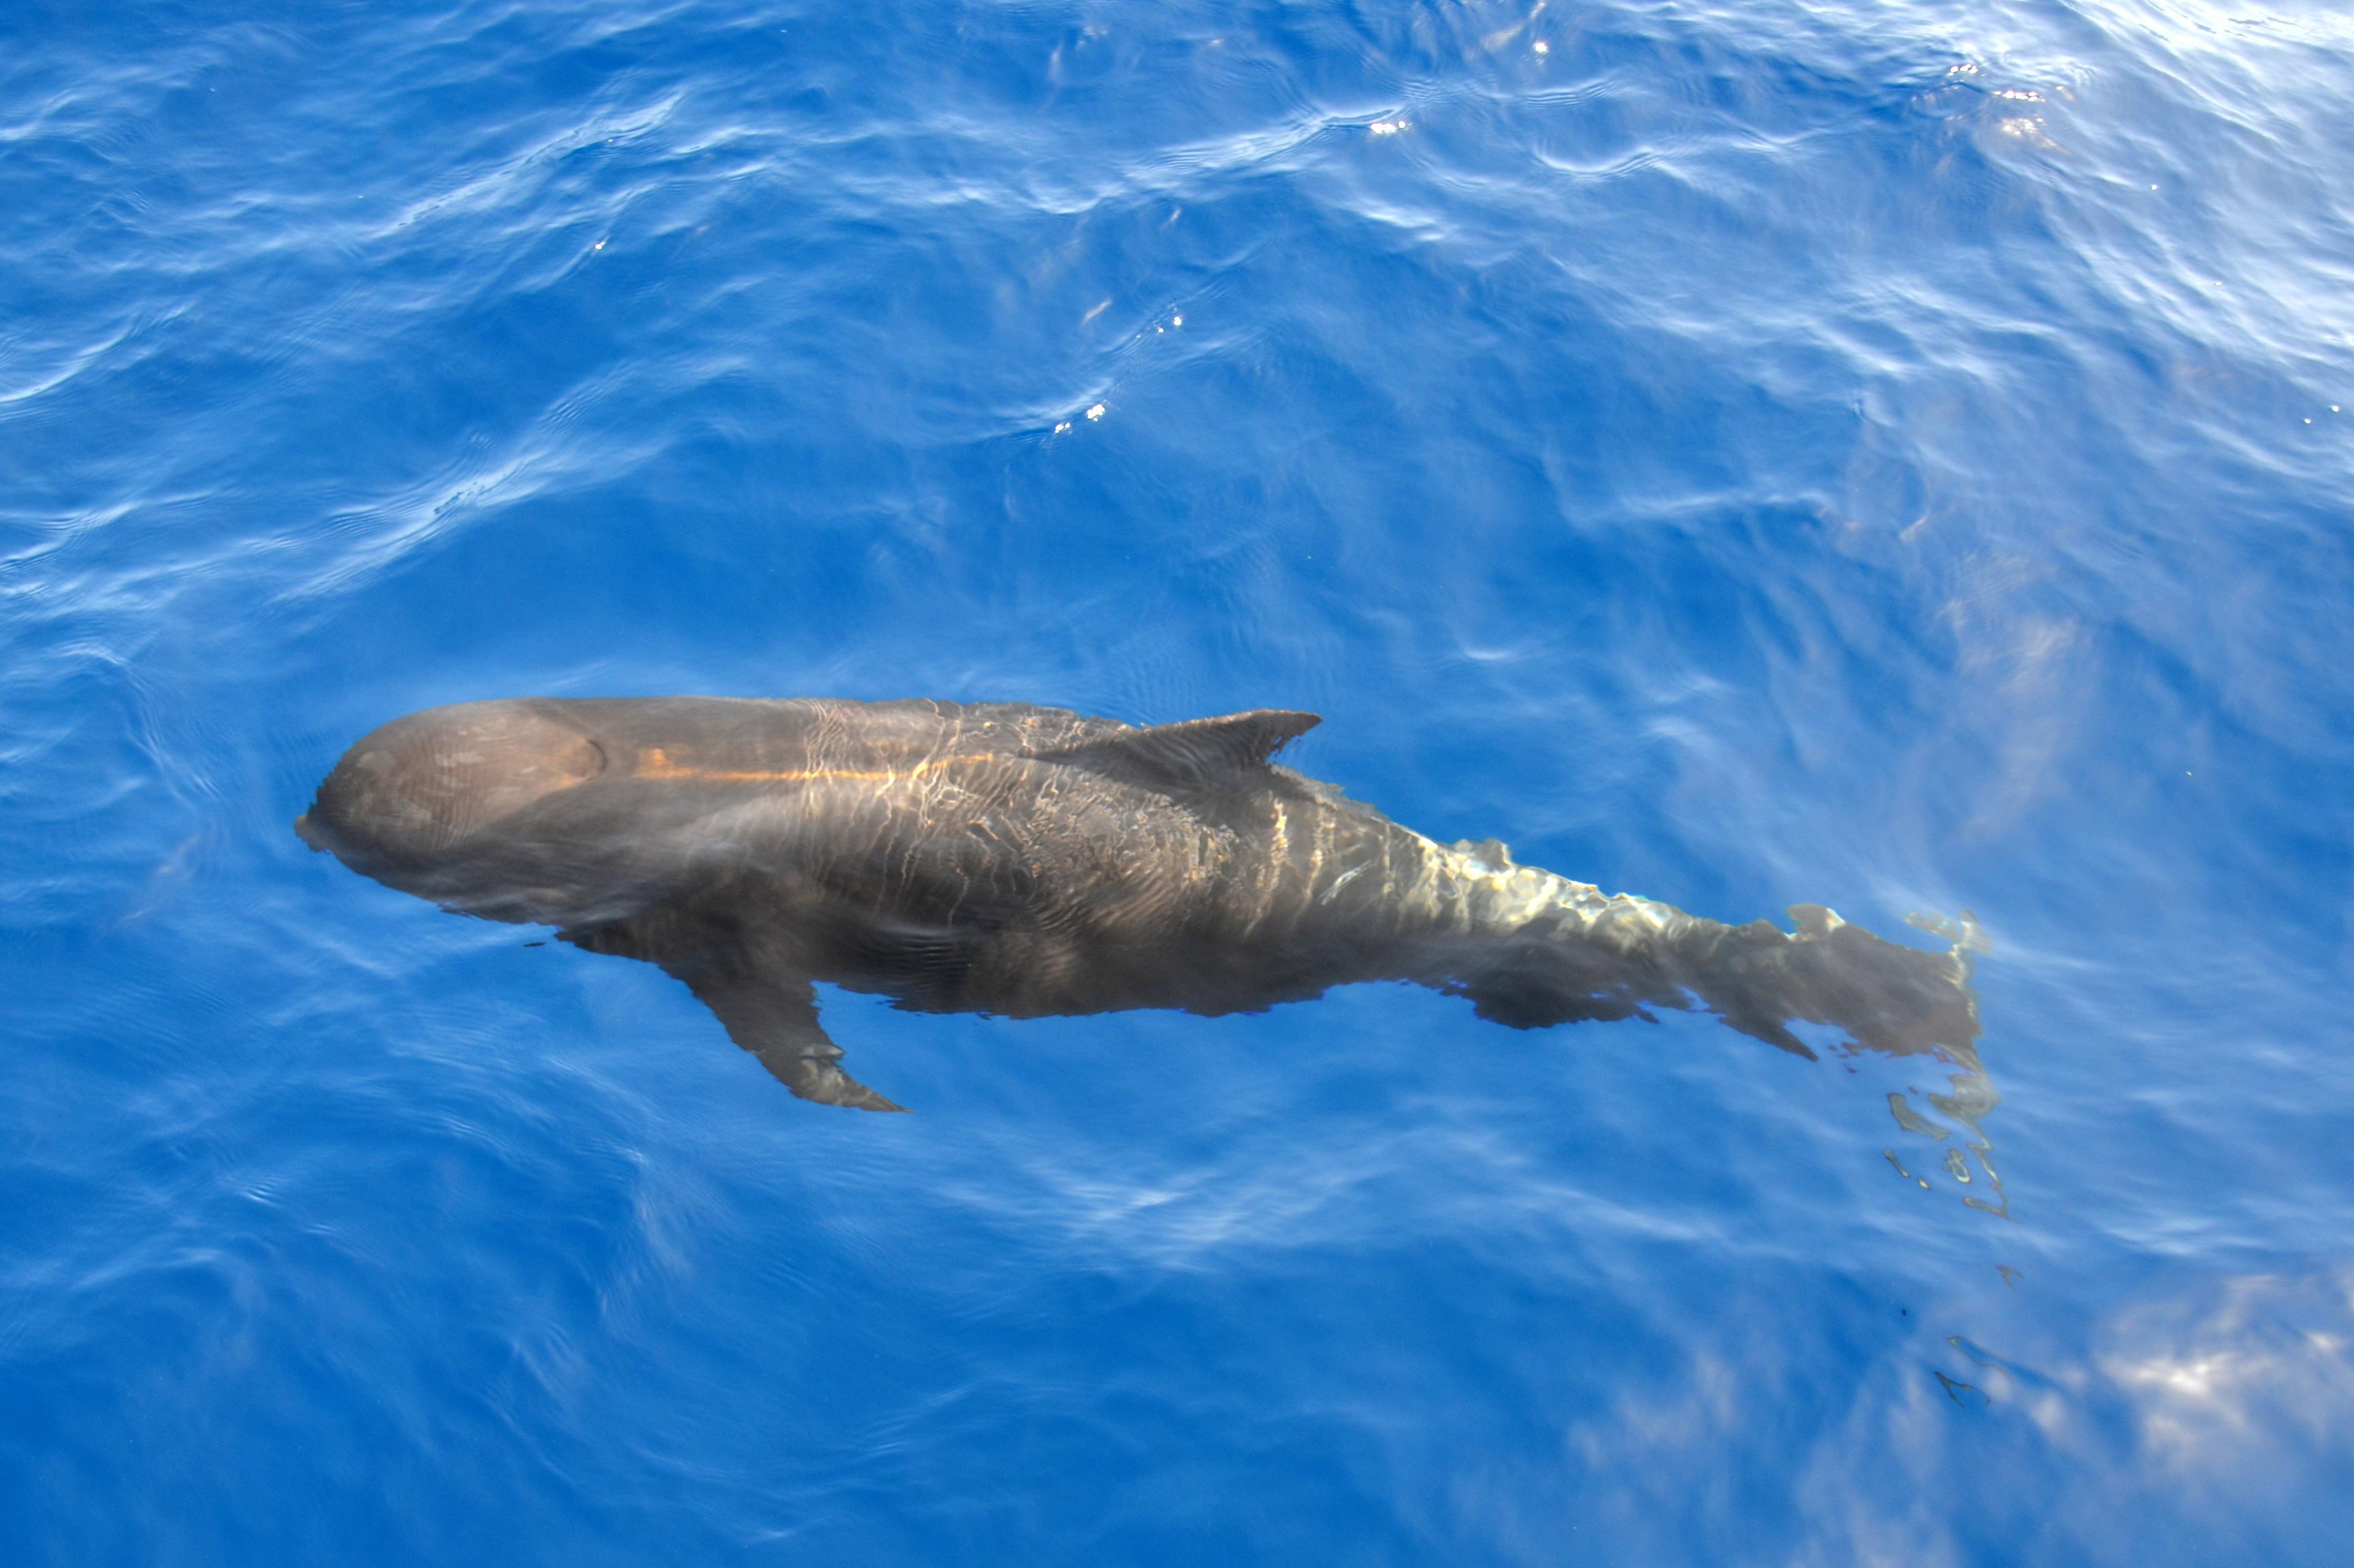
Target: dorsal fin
{"x":1188,"y":755}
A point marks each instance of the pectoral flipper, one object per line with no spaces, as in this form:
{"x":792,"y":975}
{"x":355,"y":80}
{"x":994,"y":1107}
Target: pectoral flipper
{"x":773,"y":1016}
{"x":778,"y":1023}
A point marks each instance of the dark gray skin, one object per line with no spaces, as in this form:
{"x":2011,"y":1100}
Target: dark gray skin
{"x":1026,"y":860}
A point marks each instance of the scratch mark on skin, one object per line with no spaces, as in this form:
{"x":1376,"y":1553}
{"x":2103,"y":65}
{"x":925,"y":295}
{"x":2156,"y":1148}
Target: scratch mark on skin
{"x":1341,"y":882}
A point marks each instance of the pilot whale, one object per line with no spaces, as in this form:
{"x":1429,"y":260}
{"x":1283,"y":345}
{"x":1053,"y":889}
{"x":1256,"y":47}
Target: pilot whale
{"x":1028,"y":860}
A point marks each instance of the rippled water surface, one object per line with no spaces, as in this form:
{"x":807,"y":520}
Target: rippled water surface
{"x":1890,"y":456}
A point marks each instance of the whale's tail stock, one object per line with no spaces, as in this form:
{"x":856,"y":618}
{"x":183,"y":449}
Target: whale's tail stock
{"x":1570,"y":952}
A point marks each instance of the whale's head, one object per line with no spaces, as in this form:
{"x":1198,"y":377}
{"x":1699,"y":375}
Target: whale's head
{"x":410,"y":803}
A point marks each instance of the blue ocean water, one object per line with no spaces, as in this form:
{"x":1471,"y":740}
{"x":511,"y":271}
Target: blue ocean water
{"x":1894,"y":456}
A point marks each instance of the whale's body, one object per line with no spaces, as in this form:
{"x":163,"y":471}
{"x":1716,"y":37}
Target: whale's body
{"x":1027,"y":860}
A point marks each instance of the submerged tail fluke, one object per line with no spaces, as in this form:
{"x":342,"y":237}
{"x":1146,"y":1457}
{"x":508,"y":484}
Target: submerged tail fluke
{"x":1545,"y":949}
{"x":1887,"y":997}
